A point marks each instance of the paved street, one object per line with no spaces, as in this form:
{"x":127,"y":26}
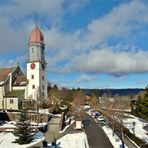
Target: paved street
{"x":95,"y":134}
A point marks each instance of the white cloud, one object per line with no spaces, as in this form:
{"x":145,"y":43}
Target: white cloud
{"x":77,"y":50}
{"x":120,"y":22}
{"x":84,"y":78}
{"x":110,"y":61}
{"x":17,"y":19}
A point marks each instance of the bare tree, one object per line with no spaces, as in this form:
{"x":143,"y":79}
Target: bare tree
{"x":115,"y":112}
{"x":77,"y":103}
{"x":94,"y":101}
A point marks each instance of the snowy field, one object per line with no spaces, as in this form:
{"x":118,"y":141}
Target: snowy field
{"x":77,"y":140}
{"x":139,"y":123}
{"x":6,"y":140}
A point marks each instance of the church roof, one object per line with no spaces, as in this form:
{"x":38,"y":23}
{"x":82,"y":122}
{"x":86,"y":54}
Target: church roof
{"x":21,"y":80}
{"x":36,"y":36}
{"x":4,"y":72}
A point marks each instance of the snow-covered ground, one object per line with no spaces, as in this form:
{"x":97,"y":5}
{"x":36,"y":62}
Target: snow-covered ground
{"x":115,"y":140}
{"x":7,"y":139}
{"x":139,"y":123}
{"x":76,"y":140}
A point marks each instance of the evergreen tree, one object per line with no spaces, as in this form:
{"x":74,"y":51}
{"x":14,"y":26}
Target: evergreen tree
{"x":142,"y":106}
{"x":23,"y":130}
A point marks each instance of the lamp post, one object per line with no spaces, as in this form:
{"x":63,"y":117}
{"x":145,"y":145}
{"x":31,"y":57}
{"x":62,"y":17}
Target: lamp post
{"x":122,"y":137}
{"x":134,"y":124}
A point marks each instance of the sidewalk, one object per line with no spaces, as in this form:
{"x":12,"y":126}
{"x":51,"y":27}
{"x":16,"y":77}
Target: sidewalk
{"x":129,"y":143}
{"x":53,"y":129}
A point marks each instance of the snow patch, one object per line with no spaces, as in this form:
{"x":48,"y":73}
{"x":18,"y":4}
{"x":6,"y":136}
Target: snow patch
{"x":77,"y":140}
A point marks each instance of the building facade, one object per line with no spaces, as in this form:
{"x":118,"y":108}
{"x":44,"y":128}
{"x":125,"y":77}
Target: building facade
{"x":36,"y":66}
{"x":15,"y":87}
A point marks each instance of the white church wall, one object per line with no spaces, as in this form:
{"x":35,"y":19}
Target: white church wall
{"x":38,"y":81}
{"x":34,"y":81}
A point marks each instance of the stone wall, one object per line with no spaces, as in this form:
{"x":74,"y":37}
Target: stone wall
{"x":34,"y":117}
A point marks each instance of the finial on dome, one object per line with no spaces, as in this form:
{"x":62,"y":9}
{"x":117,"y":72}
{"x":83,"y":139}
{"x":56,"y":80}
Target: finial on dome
{"x":36,"y":19}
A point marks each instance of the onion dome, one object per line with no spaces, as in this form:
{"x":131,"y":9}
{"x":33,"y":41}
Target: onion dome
{"x":36,"y":36}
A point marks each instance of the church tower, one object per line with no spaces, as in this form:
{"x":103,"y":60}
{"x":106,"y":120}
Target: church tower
{"x":36,"y":66}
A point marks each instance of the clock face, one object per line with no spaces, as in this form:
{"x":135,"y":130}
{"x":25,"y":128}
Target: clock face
{"x":32,"y":66}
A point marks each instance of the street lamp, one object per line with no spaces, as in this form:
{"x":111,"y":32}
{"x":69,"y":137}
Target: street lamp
{"x":122,"y":137}
{"x":134,"y":124}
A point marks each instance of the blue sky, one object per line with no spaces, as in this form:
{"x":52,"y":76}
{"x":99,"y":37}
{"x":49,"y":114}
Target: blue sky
{"x":89,"y":43}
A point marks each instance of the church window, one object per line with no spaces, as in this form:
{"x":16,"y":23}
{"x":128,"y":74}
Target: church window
{"x":32,"y":50}
{"x":33,"y":86}
{"x":43,"y":87}
{"x":43,"y":94}
{"x":32,"y":76}
{"x":43,"y":78}
{"x":11,"y":101}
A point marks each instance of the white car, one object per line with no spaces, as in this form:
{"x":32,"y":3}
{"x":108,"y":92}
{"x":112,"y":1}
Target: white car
{"x":100,"y":118}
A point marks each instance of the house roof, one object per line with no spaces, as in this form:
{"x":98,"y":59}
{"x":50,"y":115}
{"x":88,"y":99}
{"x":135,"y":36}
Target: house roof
{"x":15,"y":93}
{"x":4,"y":72}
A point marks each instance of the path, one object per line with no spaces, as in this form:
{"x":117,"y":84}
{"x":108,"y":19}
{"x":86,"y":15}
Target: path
{"x":53,"y":129}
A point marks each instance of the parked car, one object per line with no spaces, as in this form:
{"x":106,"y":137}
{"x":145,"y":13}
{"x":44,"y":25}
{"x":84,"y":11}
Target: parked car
{"x":100,"y":118}
{"x":102,"y":122}
{"x":86,"y":122}
{"x":97,"y":114}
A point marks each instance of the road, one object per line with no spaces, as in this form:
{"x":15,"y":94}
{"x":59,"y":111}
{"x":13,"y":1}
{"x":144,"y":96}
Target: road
{"x":95,"y":134}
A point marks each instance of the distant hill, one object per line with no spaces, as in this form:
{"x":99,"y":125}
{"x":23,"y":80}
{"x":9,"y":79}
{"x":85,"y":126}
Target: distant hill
{"x":113,"y":92}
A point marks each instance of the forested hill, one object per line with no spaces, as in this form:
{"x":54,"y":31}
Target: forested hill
{"x":112,"y":92}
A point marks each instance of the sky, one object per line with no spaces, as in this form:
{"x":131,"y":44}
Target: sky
{"x":88,"y":43}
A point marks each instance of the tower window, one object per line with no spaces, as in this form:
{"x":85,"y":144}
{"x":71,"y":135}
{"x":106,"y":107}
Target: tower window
{"x":32,"y":50}
{"x":43,"y":94}
{"x":43,"y":78}
{"x":43,"y":87}
{"x":32,"y":76}
{"x":33,"y":86}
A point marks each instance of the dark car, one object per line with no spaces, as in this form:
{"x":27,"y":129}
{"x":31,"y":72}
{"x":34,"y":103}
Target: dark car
{"x":86,"y":122}
{"x":97,"y":114}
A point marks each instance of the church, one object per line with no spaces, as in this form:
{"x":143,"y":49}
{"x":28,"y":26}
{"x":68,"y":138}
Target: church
{"x":15,"y":86}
